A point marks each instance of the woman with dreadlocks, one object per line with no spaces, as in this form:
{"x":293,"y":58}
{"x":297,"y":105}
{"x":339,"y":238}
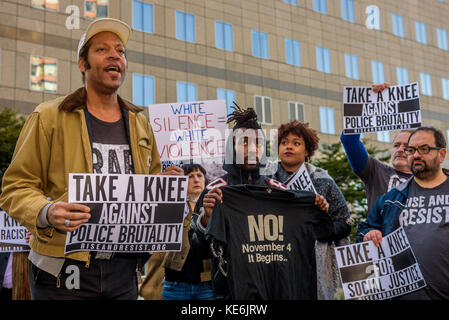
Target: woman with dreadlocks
{"x":245,"y":152}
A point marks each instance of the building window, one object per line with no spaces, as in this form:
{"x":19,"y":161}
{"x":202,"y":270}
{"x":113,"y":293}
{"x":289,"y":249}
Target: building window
{"x":378,"y":72}
{"x":143,"y":16}
{"x":224,"y":36}
{"x":45,"y":4}
{"x":143,"y":90}
{"x":347,"y":10}
{"x":263,"y":109}
{"x":228,"y":96}
{"x":401,"y":75}
{"x":442,"y":39}
{"x":320,"y":6}
{"x":398,"y":25}
{"x":292,"y":52}
{"x":383,"y":136}
{"x":296,"y":111}
{"x":96,"y":8}
{"x":421,"y":34}
{"x":260,"y":44}
{"x":293,"y":2}
{"x":425,"y":83}
{"x":352,"y":66}
{"x":445,"y":84}
{"x":323,"y":60}
{"x":327,"y":120}
{"x":43,"y":74}
{"x":185,"y":26}
{"x":186,"y":91}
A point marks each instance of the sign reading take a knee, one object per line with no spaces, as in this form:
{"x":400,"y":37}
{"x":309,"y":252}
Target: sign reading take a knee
{"x":395,"y":108}
{"x":377,"y":273}
{"x":129,"y":213}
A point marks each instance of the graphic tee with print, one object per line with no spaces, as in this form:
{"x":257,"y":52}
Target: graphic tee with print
{"x":425,"y":219}
{"x":268,"y":240}
{"x":111,"y":154}
{"x":110,"y":147}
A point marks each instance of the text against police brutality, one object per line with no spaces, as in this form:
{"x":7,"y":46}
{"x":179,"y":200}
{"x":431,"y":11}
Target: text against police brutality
{"x":377,"y":273}
{"x":395,"y":108}
{"x":129,"y":213}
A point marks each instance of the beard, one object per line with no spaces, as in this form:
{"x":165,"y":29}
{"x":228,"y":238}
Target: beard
{"x":424,"y":170}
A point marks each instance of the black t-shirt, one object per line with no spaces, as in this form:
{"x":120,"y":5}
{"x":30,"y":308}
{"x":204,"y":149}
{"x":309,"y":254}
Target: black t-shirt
{"x":268,"y":239}
{"x":425,"y":220}
{"x":110,"y":148}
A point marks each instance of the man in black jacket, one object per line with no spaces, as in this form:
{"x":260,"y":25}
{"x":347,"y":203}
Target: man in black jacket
{"x":245,"y":154}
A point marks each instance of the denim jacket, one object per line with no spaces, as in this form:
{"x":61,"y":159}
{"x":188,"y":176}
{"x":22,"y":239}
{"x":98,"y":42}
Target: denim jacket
{"x":384,"y":216}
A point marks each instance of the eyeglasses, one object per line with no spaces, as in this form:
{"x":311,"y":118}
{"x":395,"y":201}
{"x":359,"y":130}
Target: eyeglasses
{"x":425,"y":149}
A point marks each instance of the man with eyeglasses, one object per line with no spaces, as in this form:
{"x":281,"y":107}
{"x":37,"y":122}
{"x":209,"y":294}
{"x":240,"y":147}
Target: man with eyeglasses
{"x":377,"y":176}
{"x":421,"y":207}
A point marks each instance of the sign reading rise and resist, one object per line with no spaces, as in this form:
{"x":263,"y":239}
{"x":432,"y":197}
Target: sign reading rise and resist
{"x":377,"y":273}
{"x":129,"y":213}
{"x":395,"y":108}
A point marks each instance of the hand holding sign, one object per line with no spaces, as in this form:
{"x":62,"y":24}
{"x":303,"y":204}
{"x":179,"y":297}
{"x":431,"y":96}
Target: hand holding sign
{"x":321,"y":203}
{"x":209,"y":203}
{"x":374,"y":236}
{"x":59,"y":212}
{"x":380,"y":87}
{"x":172,"y":171}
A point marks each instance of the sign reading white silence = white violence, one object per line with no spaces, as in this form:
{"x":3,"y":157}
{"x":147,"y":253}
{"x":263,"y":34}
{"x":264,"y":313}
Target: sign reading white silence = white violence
{"x":129,"y":213}
{"x":395,"y":108}
{"x":377,"y":273}
{"x":12,"y":235}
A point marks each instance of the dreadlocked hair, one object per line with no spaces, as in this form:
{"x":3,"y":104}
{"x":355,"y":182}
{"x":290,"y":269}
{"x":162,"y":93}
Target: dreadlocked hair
{"x":243,"y":118}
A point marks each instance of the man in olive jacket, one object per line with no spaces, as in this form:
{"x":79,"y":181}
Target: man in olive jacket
{"x":73,"y":134}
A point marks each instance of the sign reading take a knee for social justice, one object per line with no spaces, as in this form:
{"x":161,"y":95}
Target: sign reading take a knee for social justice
{"x":129,"y":213}
{"x":395,"y":108}
{"x":377,"y":273}
{"x":12,"y":235}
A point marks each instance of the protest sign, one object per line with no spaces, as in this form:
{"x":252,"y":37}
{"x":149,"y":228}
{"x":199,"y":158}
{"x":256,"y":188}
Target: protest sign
{"x":129,"y":213}
{"x":12,"y":235}
{"x":377,"y":273}
{"x":301,"y":180}
{"x":395,"y":108}
{"x":189,"y":130}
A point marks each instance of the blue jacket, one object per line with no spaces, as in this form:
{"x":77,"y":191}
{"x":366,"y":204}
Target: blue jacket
{"x":384,"y":216}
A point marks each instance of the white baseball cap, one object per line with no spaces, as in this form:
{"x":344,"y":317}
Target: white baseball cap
{"x":120,"y":28}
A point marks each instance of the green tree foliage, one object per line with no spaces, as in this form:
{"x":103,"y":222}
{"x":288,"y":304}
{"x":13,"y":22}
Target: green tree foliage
{"x":333,"y":159}
{"x":10,"y":125}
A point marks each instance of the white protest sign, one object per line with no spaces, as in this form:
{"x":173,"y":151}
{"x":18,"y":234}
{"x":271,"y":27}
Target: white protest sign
{"x":129,"y":213}
{"x":395,"y":108}
{"x":377,"y":273}
{"x":12,"y":235}
{"x":301,"y":180}
{"x":189,"y":130}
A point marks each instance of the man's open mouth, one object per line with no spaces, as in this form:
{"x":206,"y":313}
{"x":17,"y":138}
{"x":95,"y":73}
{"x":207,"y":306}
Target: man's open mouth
{"x":113,"y":69}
